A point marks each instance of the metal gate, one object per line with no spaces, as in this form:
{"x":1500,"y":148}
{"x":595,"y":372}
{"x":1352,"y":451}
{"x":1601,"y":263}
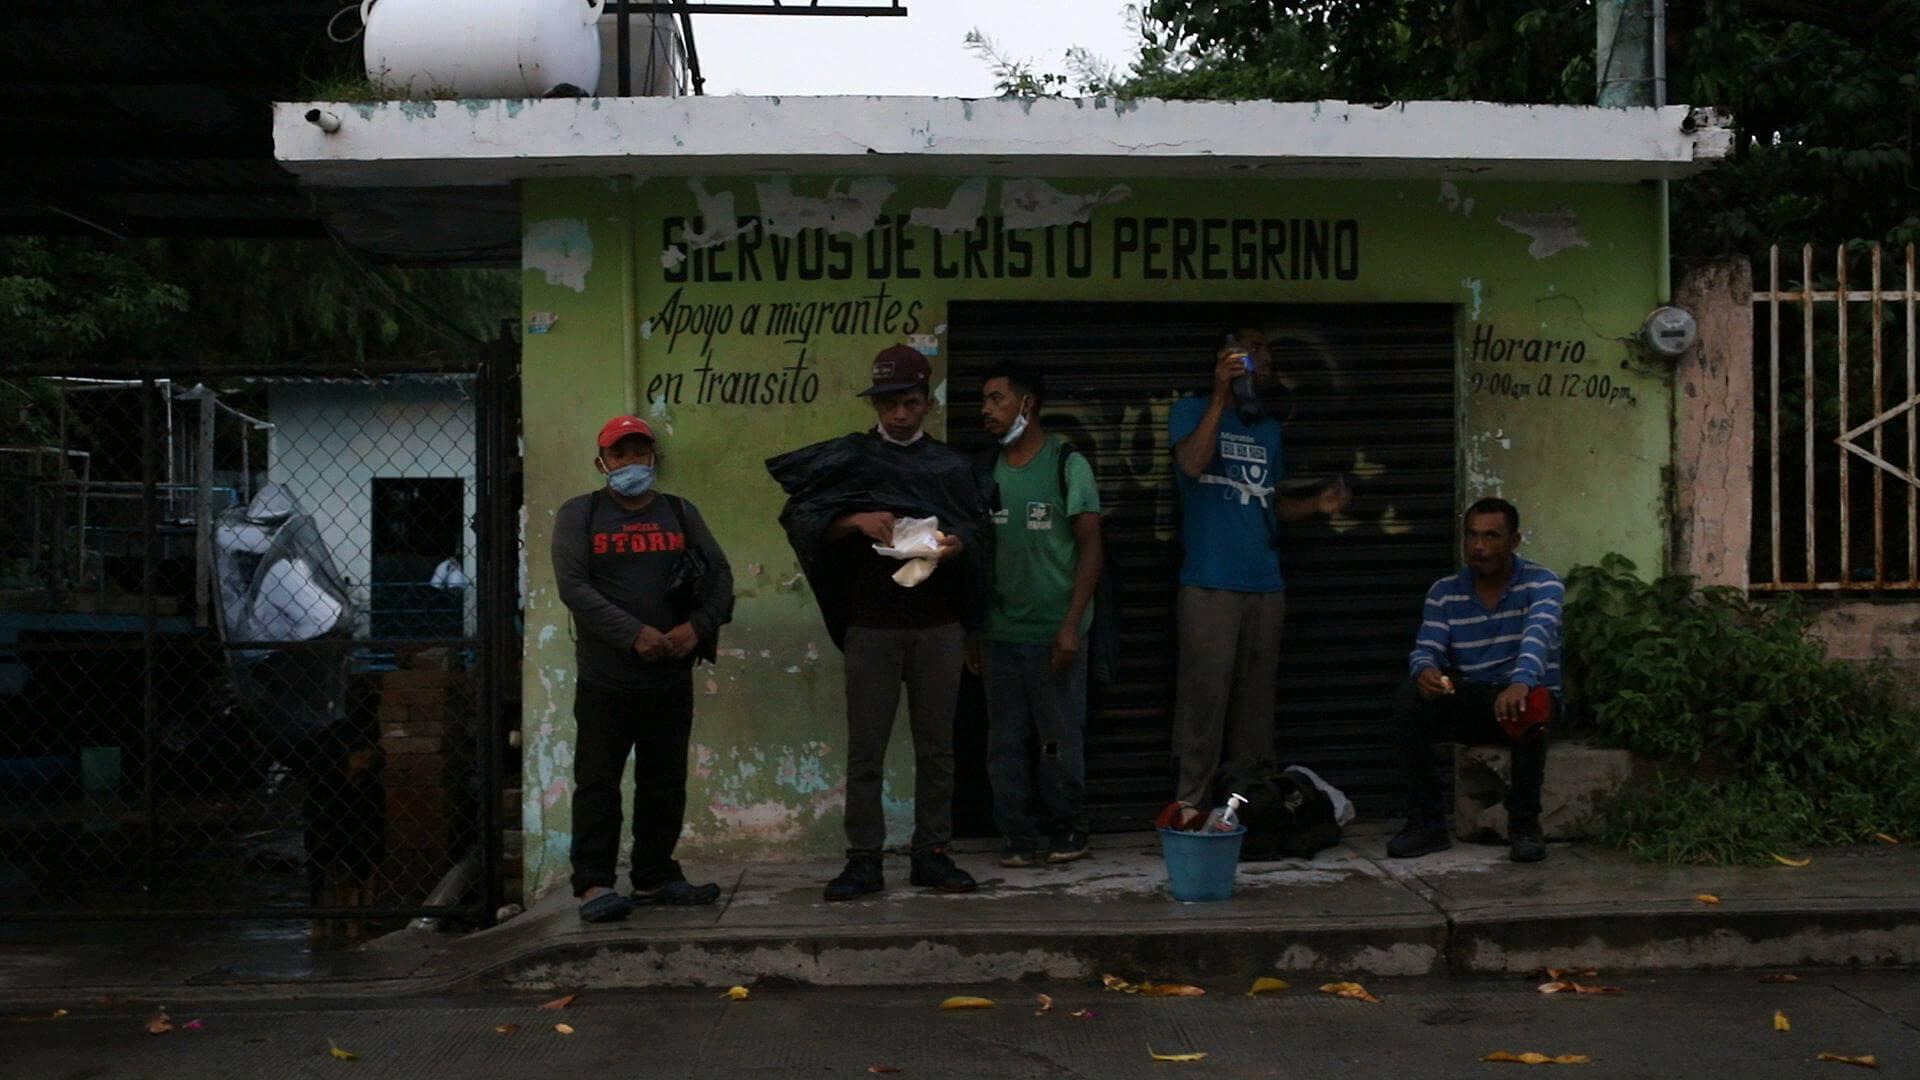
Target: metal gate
{"x":1840,"y":424}
{"x":1367,"y":391}
{"x":253,"y":635}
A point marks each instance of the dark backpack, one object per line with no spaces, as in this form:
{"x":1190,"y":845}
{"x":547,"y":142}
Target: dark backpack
{"x":1287,"y":815}
{"x":1102,"y":642}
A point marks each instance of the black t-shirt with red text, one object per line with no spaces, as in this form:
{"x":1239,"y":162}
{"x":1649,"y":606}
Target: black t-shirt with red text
{"x":629,"y":557}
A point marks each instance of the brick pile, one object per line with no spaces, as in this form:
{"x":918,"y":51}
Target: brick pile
{"x":425,"y":723}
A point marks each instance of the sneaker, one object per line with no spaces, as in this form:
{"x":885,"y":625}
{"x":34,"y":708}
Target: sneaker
{"x":678,"y":894}
{"x":607,"y":907}
{"x":1067,"y":847}
{"x":1525,"y":841}
{"x":1422,"y":836}
{"x":934,"y":869}
{"x":1019,"y":856}
{"x":862,"y":876}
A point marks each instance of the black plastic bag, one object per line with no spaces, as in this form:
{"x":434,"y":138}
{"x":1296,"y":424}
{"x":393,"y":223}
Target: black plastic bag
{"x":858,"y":473}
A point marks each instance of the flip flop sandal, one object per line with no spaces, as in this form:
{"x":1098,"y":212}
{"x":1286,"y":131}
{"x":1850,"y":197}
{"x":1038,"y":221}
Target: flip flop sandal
{"x":677,"y":894}
{"x":605,"y":908}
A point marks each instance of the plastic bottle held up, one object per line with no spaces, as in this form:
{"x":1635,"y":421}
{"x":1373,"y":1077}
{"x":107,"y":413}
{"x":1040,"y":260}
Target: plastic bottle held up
{"x":1246,"y":396}
{"x":1226,"y":818}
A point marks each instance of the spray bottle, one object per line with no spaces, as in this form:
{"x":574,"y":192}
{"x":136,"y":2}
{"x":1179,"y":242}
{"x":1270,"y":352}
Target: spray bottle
{"x":1226,"y":818}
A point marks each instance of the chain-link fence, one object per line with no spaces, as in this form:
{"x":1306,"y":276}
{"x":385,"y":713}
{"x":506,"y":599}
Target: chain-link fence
{"x":250,"y":629}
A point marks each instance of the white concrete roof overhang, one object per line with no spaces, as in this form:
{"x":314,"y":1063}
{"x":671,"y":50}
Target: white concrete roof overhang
{"x":489,"y":142}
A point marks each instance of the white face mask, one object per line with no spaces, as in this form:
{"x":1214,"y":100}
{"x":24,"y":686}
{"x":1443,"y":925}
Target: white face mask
{"x":881,"y":430}
{"x":1017,"y":428}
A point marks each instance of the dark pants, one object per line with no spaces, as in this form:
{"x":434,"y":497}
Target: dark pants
{"x":1465,"y":717}
{"x":1223,"y":701}
{"x":879,"y":662}
{"x":653,"y":726}
{"x":1029,"y":701}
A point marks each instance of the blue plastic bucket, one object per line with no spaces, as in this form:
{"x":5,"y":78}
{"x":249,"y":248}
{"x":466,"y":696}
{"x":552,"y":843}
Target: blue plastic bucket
{"x":1201,"y":865}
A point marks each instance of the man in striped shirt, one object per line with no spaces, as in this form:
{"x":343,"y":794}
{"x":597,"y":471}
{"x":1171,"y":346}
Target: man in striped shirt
{"x":1485,"y":668}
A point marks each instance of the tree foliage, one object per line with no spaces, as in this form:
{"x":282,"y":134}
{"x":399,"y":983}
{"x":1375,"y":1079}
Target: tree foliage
{"x":1825,"y":95}
{"x":185,"y":303}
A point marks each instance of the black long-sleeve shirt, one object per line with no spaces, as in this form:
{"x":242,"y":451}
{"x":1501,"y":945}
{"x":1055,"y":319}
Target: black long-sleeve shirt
{"x":612,"y":574}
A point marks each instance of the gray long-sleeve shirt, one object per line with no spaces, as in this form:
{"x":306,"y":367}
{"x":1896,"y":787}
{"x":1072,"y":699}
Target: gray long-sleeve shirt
{"x":612,"y":574}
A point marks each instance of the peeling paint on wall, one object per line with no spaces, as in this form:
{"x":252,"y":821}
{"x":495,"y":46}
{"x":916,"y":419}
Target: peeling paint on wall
{"x":855,"y":210}
{"x":1474,"y":286}
{"x":1451,"y":198}
{"x":1036,"y":204}
{"x":561,"y":249}
{"x":968,"y":203}
{"x":1551,"y":232}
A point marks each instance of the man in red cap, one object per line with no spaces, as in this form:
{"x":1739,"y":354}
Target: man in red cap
{"x":648,"y":588}
{"x":847,"y":493}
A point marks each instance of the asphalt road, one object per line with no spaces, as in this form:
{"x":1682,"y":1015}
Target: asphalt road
{"x":1693,"y":1027}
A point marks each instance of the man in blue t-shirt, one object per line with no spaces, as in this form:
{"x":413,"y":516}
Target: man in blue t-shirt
{"x":1227,"y":465}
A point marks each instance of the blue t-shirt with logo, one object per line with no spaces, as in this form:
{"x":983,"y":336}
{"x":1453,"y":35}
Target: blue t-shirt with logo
{"x":1226,"y":515}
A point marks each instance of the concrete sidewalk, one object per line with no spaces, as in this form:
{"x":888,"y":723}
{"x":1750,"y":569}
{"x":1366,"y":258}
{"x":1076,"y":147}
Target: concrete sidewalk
{"x":1350,"y":911}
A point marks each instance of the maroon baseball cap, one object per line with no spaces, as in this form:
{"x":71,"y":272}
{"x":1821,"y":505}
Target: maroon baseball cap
{"x":622,"y":426}
{"x":897,"y":369}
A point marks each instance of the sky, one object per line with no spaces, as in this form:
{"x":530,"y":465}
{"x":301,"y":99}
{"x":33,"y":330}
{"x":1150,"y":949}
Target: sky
{"x":921,"y":53}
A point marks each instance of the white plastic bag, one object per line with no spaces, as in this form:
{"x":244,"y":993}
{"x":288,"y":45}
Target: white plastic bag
{"x":916,"y":540}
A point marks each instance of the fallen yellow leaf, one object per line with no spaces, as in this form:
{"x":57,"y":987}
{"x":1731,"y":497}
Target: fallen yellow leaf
{"x":1784,"y":861}
{"x":505,"y":1029}
{"x":1083,"y":1014}
{"x":560,"y":1003}
{"x":564,"y":1029}
{"x":1170,"y":990}
{"x":1157,"y":1056}
{"x":1866,"y":1061}
{"x":967,"y":1003}
{"x":736,"y":993}
{"x":1578,"y":988}
{"x":1267,"y":984}
{"x":1780,"y":1021}
{"x":1115,"y":982}
{"x":1349,"y":990}
{"x":1707,"y":898}
{"x":58,"y":1013}
{"x":159,"y":1023}
{"x":1533,"y":1058}
{"x":1046,"y":1004}
{"x":1779,"y":978}
{"x":343,"y":1055}
{"x":1884,"y":838}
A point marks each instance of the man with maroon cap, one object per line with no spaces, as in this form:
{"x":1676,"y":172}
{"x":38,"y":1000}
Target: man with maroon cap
{"x":846,"y":495}
{"x":625,"y":560}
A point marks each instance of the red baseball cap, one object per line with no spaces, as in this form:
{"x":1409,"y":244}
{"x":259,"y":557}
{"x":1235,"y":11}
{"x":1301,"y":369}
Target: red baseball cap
{"x":897,"y":369}
{"x":622,"y":426}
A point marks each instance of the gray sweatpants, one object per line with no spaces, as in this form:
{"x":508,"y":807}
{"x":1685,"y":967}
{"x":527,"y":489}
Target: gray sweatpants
{"x":1229,"y":652}
{"x":879,"y":662}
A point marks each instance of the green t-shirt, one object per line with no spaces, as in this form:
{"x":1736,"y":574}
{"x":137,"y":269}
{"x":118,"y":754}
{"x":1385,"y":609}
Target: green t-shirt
{"x":1033,"y":554}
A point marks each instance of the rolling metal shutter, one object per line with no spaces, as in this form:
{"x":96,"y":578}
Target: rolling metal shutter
{"x":1368,"y":393}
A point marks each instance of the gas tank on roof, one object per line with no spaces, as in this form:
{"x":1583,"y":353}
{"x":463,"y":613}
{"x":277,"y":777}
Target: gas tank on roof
{"x":481,"y":48}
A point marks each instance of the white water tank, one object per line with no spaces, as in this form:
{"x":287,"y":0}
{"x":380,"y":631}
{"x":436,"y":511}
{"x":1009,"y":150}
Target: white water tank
{"x":481,"y":48}
{"x":659,"y":63}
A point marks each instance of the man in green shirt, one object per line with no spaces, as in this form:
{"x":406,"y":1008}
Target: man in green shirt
{"x":1047,"y":559}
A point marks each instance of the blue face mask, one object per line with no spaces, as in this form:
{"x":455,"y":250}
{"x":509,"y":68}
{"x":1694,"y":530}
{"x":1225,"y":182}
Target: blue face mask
{"x":631,"y":481}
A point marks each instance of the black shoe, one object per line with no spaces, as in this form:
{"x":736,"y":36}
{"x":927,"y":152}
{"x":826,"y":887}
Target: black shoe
{"x":1525,"y":841}
{"x":1019,"y":856}
{"x":677,"y":894}
{"x":862,"y":876}
{"x":935,"y":870}
{"x":1068,"y":847}
{"x":1422,"y":836}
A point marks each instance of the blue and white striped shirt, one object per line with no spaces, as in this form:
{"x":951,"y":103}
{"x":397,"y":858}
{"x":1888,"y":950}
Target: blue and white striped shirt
{"x":1518,"y":641}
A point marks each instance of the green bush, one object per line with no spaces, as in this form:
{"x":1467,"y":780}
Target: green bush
{"x":1764,"y":744}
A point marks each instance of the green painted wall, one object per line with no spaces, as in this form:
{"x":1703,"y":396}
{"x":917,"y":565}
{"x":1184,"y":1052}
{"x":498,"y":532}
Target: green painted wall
{"x":642,"y":282}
